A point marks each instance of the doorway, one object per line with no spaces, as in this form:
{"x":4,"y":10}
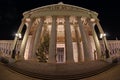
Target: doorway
{"x":60,"y":55}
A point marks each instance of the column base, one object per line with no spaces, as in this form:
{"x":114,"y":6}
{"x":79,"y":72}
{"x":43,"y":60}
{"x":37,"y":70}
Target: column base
{"x":11,"y":60}
{"x":112,"y":60}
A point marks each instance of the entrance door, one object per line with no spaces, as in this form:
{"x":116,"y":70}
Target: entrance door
{"x":60,"y":55}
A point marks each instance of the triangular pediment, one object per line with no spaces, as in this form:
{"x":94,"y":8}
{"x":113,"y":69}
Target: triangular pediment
{"x":59,"y":7}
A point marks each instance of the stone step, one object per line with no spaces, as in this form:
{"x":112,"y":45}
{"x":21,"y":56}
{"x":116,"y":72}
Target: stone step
{"x":62,"y":76}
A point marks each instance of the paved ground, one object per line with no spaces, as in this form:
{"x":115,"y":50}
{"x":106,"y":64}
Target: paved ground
{"x":8,"y":74}
{"x":111,"y":74}
{"x":59,"y":71}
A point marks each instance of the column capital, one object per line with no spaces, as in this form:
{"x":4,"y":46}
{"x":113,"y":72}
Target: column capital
{"x":67,"y":16}
{"x":90,"y":22}
{"x":95,"y":20}
{"x":54,"y":19}
{"x":27,"y":20}
{"x":79,"y":19}
{"x":42,"y":17}
{"x":78,"y":16}
{"x":53,"y":16}
{"x":23,"y":20}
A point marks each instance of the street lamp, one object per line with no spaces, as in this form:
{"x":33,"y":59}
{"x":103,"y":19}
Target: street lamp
{"x":18,"y":36}
{"x":102,"y":36}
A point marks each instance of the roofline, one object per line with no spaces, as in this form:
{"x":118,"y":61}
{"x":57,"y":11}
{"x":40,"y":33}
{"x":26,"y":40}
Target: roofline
{"x":35,"y":9}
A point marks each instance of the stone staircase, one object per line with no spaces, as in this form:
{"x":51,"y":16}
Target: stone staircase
{"x":60,"y":71}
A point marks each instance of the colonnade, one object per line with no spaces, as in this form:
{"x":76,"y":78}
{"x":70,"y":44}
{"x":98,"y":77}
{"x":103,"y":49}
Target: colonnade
{"x":40,"y":22}
{"x":6,"y":47}
{"x":77,"y":26}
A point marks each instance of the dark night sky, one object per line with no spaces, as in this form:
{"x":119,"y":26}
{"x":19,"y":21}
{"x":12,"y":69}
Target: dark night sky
{"x":11,"y":14}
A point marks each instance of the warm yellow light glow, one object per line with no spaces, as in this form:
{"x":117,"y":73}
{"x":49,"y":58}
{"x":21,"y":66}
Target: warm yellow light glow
{"x":26,"y":56}
{"x":27,"y":19}
{"x":92,"y":20}
{"x":18,"y":35}
{"x":102,"y":35}
{"x":82,"y":18}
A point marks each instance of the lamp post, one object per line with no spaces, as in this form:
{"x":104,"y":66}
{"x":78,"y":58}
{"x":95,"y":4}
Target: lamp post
{"x":18,"y":36}
{"x":102,"y":36}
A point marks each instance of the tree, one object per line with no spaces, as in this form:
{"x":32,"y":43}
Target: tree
{"x":42,"y":51}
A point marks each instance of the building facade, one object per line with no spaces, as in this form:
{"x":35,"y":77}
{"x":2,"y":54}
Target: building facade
{"x":71,"y":32}
{"x":6,"y":48}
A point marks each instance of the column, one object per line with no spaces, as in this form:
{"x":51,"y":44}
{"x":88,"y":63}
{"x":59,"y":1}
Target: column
{"x":80,"y":54}
{"x":19,"y":31}
{"x":68,"y":41}
{"x":97,"y":43}
{"x":87,"y":54}
{"x":44,"y":33}
{"x":52,"y":44}
{"x":104,"y":39}
{"x":15,"y":40}
{"x":37,"y":35}
{"x":31,"y":45}
{"x":24,"y":41}
{"x":89,"y":44}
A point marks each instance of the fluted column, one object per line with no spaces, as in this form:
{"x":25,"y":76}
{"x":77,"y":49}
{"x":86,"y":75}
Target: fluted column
{"x":25,"y":38}
{"x":37,"y":35}
{"x":68,"y":41}
{"x":31,"y":46}
{"x":104,"y":39}
{"x":52,"y":44}
{"x":87,"y":54}
{"x":97,"y":43}
{"x":80,"y":54}
{"x":89,"y":43}
{"x":19,"y":31}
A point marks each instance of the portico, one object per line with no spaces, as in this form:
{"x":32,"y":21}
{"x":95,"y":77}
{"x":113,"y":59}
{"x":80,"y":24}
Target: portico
{"x":71,"y":31}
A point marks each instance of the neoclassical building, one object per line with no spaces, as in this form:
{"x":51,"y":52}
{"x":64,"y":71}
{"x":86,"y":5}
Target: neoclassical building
{"x":71,"y":32}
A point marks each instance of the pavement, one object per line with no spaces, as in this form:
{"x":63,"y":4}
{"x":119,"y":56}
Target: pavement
{"x":93,"y":70}
{"x":8,"y":74}
{"x":111,"y":74}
